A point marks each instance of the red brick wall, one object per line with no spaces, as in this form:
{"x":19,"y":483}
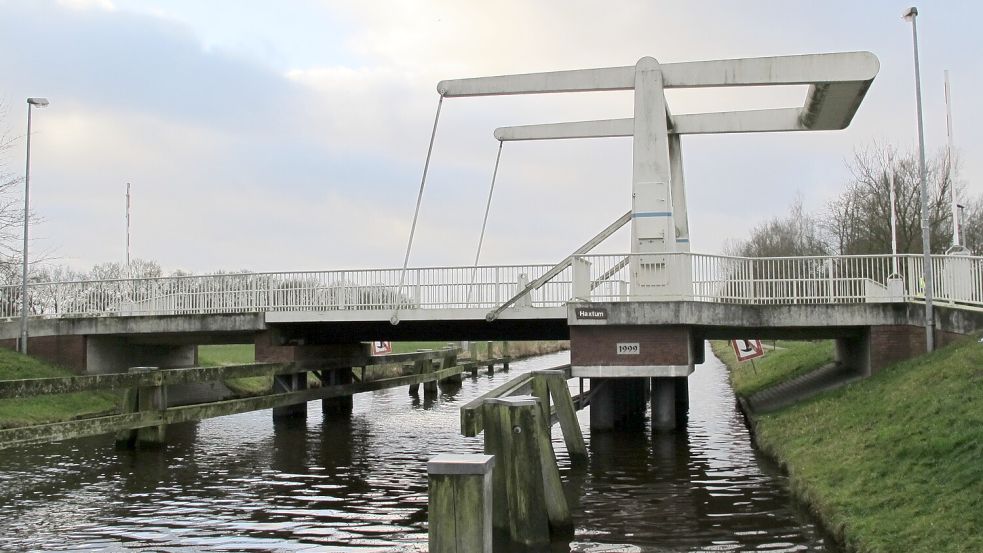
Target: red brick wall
{"x":891,"y":344}
{"x":596,"y":345}
{"x":64,"y":351}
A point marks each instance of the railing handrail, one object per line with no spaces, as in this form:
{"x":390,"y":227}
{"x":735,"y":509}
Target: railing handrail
{"x":698,"y":276}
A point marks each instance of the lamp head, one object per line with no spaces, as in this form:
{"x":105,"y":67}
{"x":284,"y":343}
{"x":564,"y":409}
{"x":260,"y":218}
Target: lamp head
{"x":38,"y":102}
{"x":910,"y":13}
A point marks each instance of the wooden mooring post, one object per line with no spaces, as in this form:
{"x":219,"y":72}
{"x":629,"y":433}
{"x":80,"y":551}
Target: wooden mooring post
{"x":429,"y":386}
{"x":452,"y":382}
{"x":506,"y":356}
{"x":142,"y":399}
{"x":460,"y":503}
{"x":283,"y":383}
{"x":490,"y":357}
{"x":528,"y":502}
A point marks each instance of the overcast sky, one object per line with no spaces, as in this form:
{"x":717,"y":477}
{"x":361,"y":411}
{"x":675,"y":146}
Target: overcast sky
{"x":291,"y":135}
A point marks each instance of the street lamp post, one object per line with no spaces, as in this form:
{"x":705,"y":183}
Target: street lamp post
{"x":910,"y":15}
{"x":31,"y":102}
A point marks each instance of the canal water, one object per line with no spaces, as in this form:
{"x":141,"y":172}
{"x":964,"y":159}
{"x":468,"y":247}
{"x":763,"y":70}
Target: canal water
{"x":239,"y":484}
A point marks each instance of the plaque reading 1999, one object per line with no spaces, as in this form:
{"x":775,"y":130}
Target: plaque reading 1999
{"x":629,"y":348}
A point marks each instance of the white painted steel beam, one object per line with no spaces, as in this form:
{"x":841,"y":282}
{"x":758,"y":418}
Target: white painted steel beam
{"x":841,"y":67}
{"x":725,"y":122}
{"x":838,"y":83}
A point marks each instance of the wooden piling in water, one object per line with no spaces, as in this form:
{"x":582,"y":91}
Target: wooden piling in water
{"x":519,"y":489}
{"x":338,"y":407}
{"x":573,"y":437}
{"x":143,"y":398}
{"x":283,"y":383}
{"x":454,"y":381}
{"x":506,"y":357}
{"x":430,"y":386}
{"x":460,"y":503}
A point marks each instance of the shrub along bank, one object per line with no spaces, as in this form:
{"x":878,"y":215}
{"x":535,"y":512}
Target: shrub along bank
{"x":891,"y":463}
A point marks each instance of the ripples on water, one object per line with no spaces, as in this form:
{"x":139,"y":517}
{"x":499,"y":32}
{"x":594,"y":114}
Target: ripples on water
{"x":239,"y":484}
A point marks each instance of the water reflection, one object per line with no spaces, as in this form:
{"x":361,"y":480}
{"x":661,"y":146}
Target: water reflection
{"x":242,"y":483}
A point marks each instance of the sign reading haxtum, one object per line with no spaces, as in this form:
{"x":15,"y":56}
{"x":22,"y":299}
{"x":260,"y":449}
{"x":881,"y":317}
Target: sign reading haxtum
{"x":592,"y":313}
{"x":628,"y":348}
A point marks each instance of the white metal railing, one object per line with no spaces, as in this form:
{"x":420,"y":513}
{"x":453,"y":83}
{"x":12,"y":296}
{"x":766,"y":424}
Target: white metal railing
{"x":776,"y":280}
{"x":681,"y":276}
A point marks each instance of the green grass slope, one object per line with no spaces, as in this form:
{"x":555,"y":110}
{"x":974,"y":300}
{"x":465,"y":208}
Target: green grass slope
{"x":895,"y":462}
{"x":783,"y":360}
{"x":50,"y":408}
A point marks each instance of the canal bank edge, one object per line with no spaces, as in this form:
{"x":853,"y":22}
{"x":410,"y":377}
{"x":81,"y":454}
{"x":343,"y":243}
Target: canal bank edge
{"x":890,"y":463}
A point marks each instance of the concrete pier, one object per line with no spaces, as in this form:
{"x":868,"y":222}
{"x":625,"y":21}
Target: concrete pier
{"x":682,"y":400}
{"x":618,"y":403}
{"x":663,"y":404}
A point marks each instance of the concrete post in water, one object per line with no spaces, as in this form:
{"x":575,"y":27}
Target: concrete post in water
{"x":460,"y":503}
{"x":663,"y":404}
{"x":681,"y":388}
{"x":290,"y":383}
{"x":619,"y":403}
{"x":473,"y":351}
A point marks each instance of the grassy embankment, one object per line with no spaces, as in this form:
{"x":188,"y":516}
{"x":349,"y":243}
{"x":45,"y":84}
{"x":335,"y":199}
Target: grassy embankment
{"x":783,"y":361}
{"x":50,"y":408}
{"x":893,"y":462}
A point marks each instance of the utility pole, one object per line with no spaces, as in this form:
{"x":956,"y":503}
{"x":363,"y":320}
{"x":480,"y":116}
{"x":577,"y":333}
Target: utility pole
{"x":910,"y":15}
{"x":127,"y":229}
{"x":957,"y":246}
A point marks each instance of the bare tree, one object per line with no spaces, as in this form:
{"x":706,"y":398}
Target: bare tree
{"x":11,"y":206}
{"x":795,"y":234}
{"x":859,"y":220}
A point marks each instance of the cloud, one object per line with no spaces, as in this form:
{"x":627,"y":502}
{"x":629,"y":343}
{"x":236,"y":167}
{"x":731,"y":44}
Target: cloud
{"x":237,"y":161}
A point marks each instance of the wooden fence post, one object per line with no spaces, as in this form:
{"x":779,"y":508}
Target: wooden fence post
{"x":460,"y":503}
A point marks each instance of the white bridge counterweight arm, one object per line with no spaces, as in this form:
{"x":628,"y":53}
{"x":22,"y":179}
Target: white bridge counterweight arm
{"x":579,"y":80}
{"x":841,"y":67}
{"x":724,"y":122}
